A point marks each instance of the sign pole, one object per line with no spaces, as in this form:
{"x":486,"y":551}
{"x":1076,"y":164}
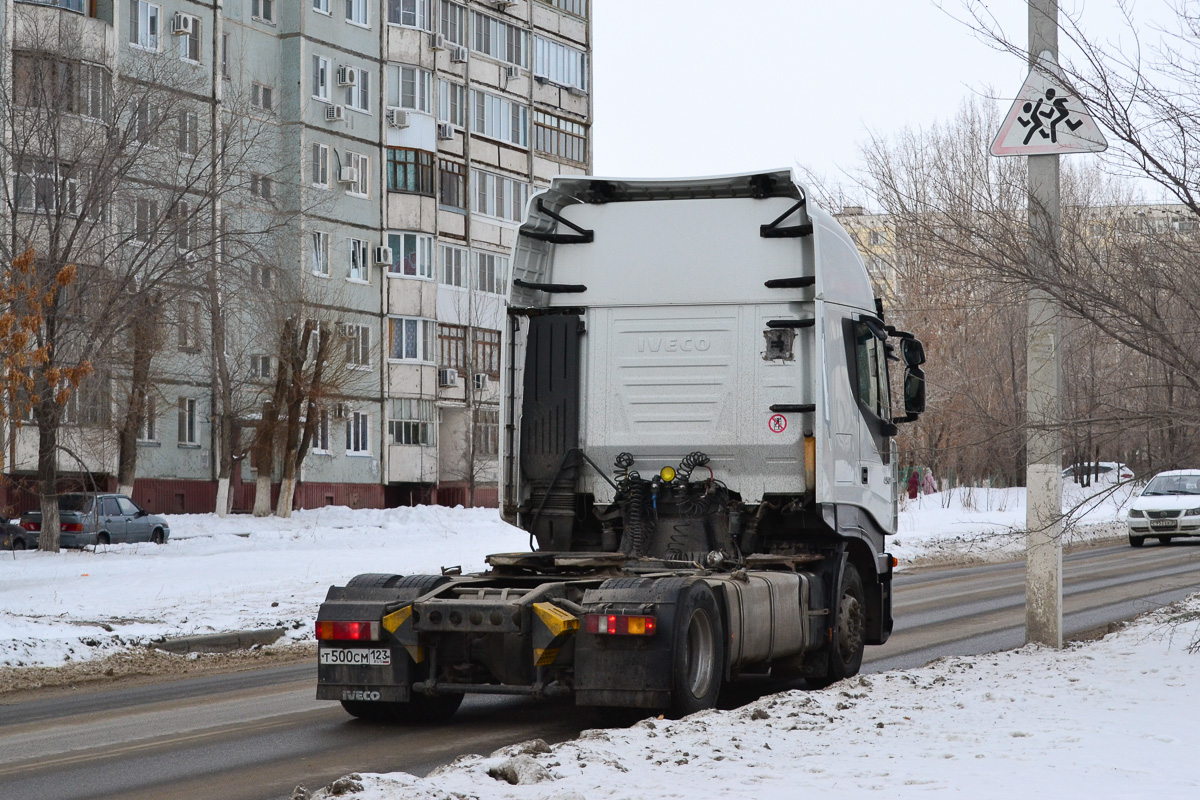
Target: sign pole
{"x":1043,"y":471}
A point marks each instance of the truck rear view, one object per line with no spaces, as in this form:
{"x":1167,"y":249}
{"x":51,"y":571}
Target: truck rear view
{"x":697,"y":436}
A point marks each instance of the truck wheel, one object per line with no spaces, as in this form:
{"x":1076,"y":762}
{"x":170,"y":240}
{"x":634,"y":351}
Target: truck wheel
{"x":374,"y":712}
{"x":423,"y":709}
{"x":699,"y":652}
{"x":846,"y":649}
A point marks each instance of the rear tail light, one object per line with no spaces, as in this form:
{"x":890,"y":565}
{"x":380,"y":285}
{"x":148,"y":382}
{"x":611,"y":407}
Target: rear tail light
{"x":620,"y":624}
{"x":72,"y":527}
{"x":330,"y":630}
{"x":31,"y":526}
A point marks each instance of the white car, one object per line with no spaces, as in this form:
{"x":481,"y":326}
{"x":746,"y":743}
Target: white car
{"x":1167,"y":508}
{"x":1100,"y":472}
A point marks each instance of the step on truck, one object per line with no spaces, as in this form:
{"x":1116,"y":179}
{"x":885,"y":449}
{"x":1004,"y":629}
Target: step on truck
{"x":697,"y":435}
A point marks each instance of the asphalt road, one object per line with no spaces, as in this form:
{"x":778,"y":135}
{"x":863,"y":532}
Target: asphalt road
{"x":256,"y":735}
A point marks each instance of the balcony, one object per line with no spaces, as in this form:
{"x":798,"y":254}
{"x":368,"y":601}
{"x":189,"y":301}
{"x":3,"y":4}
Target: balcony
{"x":73,"y":28}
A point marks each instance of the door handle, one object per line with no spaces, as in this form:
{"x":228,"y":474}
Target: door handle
{"x":864,"y":476}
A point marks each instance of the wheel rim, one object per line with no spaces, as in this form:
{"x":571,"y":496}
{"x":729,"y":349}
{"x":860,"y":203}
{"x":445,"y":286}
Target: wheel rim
{"x":19,"y":544}
{"x":850,"y":627}
{"x":700,"y":653}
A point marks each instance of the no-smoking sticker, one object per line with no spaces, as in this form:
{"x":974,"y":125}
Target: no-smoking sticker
{"x":777,"y":423}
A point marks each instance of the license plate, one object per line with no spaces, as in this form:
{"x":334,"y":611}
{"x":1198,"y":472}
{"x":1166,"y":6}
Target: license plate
{"x":1163,"y":524}
{"x":376,"y":657}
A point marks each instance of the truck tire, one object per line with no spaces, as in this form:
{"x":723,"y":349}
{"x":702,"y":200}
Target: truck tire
{"x":1136,"y":541}
{"x":846,"y":649}
{"x":374,"y":580}
{"x":698,"y":655}
{"x":423,"y":709}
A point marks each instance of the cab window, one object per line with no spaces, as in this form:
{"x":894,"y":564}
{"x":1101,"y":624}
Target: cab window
{"x":872,"y":386}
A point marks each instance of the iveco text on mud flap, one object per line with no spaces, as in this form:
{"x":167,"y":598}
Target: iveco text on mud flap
{"x":696,"y":433}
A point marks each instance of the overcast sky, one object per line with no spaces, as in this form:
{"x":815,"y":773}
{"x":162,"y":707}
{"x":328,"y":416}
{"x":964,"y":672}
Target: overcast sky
{"x":701,"y":87}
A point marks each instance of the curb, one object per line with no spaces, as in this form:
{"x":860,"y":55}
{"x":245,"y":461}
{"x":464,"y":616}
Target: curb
{"x":220,"y":642}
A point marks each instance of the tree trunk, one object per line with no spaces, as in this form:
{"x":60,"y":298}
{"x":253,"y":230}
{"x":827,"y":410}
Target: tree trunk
{"x":48,"y":483}
{"x":224,"y":498}
{"x":287,"y":491}
{"x":262,"y":493}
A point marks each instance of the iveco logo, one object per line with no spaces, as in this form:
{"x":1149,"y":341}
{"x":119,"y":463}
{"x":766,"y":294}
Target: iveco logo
{"x":352,"y":694}
{"x":675,"y":344}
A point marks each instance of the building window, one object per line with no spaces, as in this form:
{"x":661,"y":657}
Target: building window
{"x":358,"y":95}
{"x":189,"y":132}
{"x":497,"y":196}
{"x":323,"y":7}
{"x":454,"y":22}
{"x":189,"y":43}
{"x":320,"y":443}
{"x":559,"y":64}
{"x":452,"y":178}
{"x":145,"y":218}
{"x":559,"y":137}
{"x":144,"y":24}
{"x":358,"y":345}
{"x":148,"y":430}
{"x":187,"y":421}
{"x":412,"y":255}
{"x":498,"y":39}
{"x":452,"y":346}
{"x":487,"y":431}
{"x":362,"y":164}
{"x":413,"y":422}
{"x":491,"y":273}
{"x":485,"y":352}
{"x":498,"y":118}
{"x":260,"y":366}
{"x":189,"y":327}
{"x":320,"y":78}
{"x":576,"y":7}
{"x":411,"y":339}
{"x":410,"y":87}
{"x":359,"y":255}
{"x":454,"y":266}
{"x":411,"y":13}
{"x":262,"y":96}
{"x":262,"y":186}
{"x":319,"y":252}
{"x":45,"y":187}
{"x":263,"y":10}
{"x":261,"y":277}
{"x":67,"y":87}
{"x":358,"y":441}
{"x":186,"y":226}
{"x":320,"y":166}
{"x":89,"y":404}
{"x":356,"y":12}
{"x":452,"y":103}
{"x":410,"y":170}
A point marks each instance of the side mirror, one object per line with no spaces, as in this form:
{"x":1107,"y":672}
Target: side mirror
{"x":142,"y":513}
{"x":914,"y":391}
{"x":914,"y":354}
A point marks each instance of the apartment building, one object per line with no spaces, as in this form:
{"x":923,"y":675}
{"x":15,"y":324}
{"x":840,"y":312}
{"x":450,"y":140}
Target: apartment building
{"x":398,"y":143}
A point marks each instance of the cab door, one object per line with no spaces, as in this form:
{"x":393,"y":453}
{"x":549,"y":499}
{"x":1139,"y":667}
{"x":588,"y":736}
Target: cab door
{"x":137,"y":525}
{"x":112,"y":520}
{"x":869,"y":378}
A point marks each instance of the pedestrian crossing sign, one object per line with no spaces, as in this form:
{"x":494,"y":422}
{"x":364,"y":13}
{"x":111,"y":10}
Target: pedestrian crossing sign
{"x":1047,"y":118}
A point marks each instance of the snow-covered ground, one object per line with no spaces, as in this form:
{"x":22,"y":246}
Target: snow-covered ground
{"x":242,"y":573}
{"x":1108,"y":719}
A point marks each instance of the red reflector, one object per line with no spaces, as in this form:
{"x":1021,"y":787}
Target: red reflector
{"x":72,"y":527}
{"x":620,"y":624}
{"x":347,"y":631}
{"x":30,"y":526}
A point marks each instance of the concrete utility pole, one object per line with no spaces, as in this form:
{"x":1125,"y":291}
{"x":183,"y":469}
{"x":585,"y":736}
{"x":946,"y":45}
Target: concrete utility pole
{"x":1043,"y":471}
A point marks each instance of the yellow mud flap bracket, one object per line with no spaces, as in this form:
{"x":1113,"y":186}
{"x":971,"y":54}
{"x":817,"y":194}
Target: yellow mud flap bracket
{"x":399,"y":624}
{"x":557,"y":626}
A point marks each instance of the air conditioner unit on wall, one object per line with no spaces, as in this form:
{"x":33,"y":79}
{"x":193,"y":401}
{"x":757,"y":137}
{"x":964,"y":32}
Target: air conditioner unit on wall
{"x":397,"y":117}
{"x":512,"y":71}
{"x":501,"y":5}
{"x":458,"y":55}
{"x":445,"y":130}
{"x":183,"y":24}
{"x":437,"y":41}
{"x":348,"y":175}
{"x":335,"y":113}
{"x":447,"y":377}
{"x":346,"y":76}
{"x":383,"y":255}
{"x":482,"y":381}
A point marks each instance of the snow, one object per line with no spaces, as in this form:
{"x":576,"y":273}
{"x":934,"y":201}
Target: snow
{"x":1111,"y":719}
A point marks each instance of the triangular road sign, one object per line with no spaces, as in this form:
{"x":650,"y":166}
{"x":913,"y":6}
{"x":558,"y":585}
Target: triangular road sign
{"x":1047,"y":118}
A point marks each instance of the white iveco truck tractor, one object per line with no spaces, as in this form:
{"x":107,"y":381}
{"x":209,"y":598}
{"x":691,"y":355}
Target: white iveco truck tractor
{"x":696,"y":435}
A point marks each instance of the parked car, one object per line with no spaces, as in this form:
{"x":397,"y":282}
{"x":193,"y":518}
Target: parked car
{"x":95,"y":518}
{"x":1167,"y":508}
{"x":1100,"y":472}
{"x":14,"y":537}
